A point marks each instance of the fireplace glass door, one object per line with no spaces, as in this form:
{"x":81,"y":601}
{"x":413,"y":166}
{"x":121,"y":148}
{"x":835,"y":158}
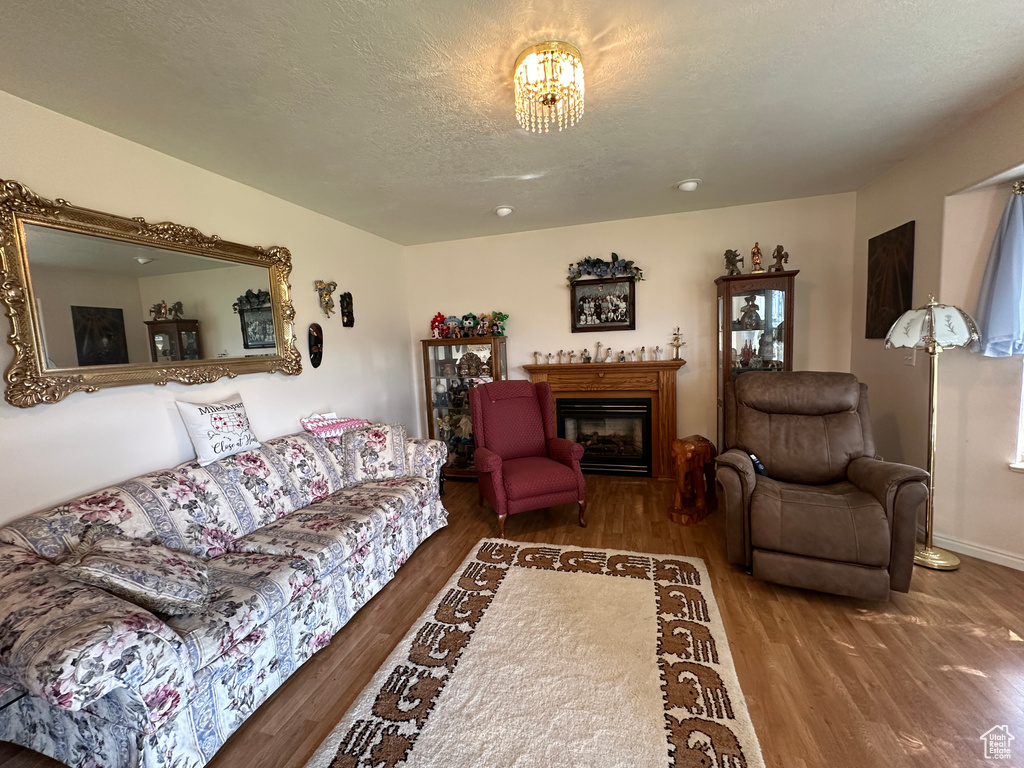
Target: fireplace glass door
{"x":615,"y":433}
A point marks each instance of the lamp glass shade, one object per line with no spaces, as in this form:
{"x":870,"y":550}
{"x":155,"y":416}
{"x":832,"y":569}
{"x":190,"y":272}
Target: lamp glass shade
{"x":940,"y":324}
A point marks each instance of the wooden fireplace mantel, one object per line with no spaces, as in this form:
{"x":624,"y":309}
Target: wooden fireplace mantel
{"x":656,"y":380}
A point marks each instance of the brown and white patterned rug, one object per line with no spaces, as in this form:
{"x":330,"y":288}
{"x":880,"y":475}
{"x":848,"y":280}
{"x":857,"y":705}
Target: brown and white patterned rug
{"x":539,"y":655}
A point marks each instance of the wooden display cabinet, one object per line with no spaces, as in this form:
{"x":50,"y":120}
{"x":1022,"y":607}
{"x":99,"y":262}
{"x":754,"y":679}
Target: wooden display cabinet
{"x":174,"y":340}
{"x":755,"y":328}
{"x":451,"y":367}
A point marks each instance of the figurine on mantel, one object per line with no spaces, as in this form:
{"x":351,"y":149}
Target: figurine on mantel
{"x":657,"y":353}
{"x":643,"y":354}
{"x":550,"y":358}
{"x":536,"y":358}
{"x":608,"y":355}
{"x":572,"y":356}
{"x":585,"y":356}
{"x":560,"y":354}
{"x":622,"y":355}
{"x":598,"y":357}
{"x":632,"y":355}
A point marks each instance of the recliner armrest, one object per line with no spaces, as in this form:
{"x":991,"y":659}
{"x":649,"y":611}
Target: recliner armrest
{"x":564,"y":450}
{"x":883,"y":478}
{"x":901,"y":490}
{"x":735,"y":478}
{"x":486,"y":460}
{"x":740,"y":462}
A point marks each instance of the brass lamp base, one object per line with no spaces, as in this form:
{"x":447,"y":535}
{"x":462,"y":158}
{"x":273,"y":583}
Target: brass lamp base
{"x":935,"y":558}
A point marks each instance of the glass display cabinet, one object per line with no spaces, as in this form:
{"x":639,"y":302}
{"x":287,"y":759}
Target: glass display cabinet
{"x":173,"y":340}
{"x":451,"y":367}
{"x":755,"y":328}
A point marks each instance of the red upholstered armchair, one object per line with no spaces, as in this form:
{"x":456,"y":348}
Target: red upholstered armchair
{"x":522,"y":465}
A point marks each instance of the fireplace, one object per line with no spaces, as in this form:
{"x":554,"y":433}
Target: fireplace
{"x":654,"y":379}
{"x":614,"y":431}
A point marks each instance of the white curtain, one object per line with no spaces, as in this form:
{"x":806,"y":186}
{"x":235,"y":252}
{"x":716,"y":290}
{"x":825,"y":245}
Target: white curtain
{"x":1001,"y":303}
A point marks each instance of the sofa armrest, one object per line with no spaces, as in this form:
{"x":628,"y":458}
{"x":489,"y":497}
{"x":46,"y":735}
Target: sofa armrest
{"x":564,"y":450}
{"x":425,"y":458}
{"x":70,"y":643}
{"x":735,"y":478}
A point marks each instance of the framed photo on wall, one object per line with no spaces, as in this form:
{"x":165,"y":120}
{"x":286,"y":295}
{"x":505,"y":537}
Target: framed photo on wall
{"x":258,"y":328}
{"x":603,"y":305}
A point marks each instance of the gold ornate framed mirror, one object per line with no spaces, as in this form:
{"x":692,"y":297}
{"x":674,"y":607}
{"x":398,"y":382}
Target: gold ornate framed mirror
{"x":98,"y":300}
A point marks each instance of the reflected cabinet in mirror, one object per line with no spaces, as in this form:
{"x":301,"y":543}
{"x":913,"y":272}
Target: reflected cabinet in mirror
{"x":98,"y":300}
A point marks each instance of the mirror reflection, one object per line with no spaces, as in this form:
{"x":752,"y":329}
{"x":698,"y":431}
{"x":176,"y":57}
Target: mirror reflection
{"x":101,"y":301}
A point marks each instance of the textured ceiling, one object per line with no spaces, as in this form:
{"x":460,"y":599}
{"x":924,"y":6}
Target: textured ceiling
{"x":396,"y":116}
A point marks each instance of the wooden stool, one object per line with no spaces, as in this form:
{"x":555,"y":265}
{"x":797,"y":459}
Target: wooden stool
{"x":695,"y":479}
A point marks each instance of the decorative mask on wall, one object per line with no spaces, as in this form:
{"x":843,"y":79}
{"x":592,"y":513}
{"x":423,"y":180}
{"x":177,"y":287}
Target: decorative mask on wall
{"x":324,"y":291}
{"x":348,"y":319}
{"x":316,"y":344}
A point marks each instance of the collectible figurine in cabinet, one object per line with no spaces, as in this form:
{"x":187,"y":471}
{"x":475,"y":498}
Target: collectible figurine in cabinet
{"x":498,"y":320}
{"x":469,"y":365}
{"x":468,"y":325}
{"x":454,"y":330}
{"x":458,"y":393}
{"x":444,"y":427}
{"x":483,"y":325}
{"x":750,"y":318}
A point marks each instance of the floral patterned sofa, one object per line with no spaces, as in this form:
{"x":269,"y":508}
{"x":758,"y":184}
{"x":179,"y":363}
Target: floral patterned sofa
{"x":293,"y":538}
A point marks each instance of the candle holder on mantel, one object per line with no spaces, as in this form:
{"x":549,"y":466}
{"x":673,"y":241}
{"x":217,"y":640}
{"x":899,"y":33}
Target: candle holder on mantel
{"x":676,"y":343}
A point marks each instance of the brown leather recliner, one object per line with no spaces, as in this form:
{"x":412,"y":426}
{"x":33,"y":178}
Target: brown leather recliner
{"x":826,"y":514}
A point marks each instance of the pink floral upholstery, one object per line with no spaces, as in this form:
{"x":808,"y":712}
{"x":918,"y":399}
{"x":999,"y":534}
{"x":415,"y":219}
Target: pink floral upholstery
{"x":290,"y":553}
{"x":522,"y":464}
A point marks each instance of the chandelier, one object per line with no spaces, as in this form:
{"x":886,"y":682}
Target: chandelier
{"x":549,"y":86}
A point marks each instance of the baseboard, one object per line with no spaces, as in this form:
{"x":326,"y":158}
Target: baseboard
{"x":992,"y":555}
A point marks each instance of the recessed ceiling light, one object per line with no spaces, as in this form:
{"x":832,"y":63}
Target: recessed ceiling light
{"x":689,"y":185}
{"x":142,"y":260}
{"x":504,"y":210}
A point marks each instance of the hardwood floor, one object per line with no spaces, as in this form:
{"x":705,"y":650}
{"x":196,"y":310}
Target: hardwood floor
{"x":829,"y":681}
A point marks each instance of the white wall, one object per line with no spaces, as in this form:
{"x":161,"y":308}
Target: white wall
{"x":524,"y":274}
{"x":977,"y":499}
{"x":51,"y":452}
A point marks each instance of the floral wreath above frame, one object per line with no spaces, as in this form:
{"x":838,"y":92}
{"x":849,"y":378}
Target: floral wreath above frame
{"x":594,"y":267}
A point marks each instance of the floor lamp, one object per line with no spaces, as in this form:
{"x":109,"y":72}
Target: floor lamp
{"x":933,"y":328}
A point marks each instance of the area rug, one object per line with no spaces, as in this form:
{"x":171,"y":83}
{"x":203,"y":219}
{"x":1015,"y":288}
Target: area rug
{"x":535,"y":655}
